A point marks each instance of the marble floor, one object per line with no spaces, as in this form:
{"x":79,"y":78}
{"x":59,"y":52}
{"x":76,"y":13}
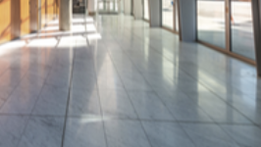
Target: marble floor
{"x":115,"y":82}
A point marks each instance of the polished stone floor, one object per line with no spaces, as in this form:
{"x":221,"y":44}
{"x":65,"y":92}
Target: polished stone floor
{"x":115,"y":82}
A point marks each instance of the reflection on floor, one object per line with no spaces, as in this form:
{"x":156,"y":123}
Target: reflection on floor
{"x":124,"y":85}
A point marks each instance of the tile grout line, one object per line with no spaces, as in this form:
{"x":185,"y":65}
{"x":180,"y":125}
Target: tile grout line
{"x":201,"y":84}
{"x":132,"y":119}
{"x":12,"y":91}
{"x":20,"y":81}
{"x":98,"y":94}
{"x":127,"y":93}
{"x":157,"y":98}
{"x":215,"y":122}
{"x":156,"y":51}
{"x":30,"y":115}
{"x":69,"y":94}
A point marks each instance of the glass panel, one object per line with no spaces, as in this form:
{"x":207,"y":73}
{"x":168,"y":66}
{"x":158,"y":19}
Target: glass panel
{"x":176,"y":16}
{"x":146,"y":10}
{"x":167,"y":13}
{"x":101,"y":6}
{"x":211,"y":22}
{"x":242,"y":28}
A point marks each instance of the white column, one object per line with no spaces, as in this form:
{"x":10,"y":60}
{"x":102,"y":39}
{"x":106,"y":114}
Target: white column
{"x":155,"y":13}
{"x":127,"y":7}
{"x":138,"y":9}
{"x":65,"y":15}
{"x":92,"y":5}
{"x":187,"y":9}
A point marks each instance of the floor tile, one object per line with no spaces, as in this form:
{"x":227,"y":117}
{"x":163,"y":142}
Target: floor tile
{"x":42,"y":132}
{"x":22,"y":100}
{"x":204,"y":135}
{"x":116,"y":104}
{"x":52,"y":101}
{"x":82,"y":132}
{"x":11,"y":129}
{"x":182,"y":107}
{"x":217,"y":109}
{"x":130,"y":85}
{"x":123,"y":133}
{"x":166,"y":134}
{"x":59,"y":77}
{"x":84,"y":103}
{"x":149,"y":106}
{"x":243,"y":134}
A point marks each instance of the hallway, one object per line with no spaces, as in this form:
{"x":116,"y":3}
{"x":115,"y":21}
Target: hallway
{"x":123,"y":84}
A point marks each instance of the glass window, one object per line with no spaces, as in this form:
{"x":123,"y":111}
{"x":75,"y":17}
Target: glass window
{"x":242,"y":28}
{"x":211,"y":22}
{"x":167,"y":13}
{"x":146,"y":10}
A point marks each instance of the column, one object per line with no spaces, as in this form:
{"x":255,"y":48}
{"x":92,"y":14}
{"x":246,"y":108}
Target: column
{"x":187,"y":9}
{"x":92,"y":5}
{"x":65,"y":15}
{"x":138,"y":9}
{"x":127,"y":7}
{"x":155,"y":13}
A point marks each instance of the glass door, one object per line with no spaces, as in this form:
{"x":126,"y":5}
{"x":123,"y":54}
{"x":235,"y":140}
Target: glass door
{"x":170,"y":15}
{"x":211,"y":22}
{"x":226,"y":25}
{"x":242,"y":36}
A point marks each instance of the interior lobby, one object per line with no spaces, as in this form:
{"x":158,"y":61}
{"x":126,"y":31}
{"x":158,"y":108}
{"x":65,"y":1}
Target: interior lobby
{"x":130,"y":73}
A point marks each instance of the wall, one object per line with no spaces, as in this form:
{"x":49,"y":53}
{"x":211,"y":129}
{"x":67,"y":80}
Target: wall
{"x":20,"y":17}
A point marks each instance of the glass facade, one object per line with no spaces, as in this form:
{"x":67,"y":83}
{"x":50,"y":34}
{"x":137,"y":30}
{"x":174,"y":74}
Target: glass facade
{"x":242,"y":35}
{"x":236,"y":36}
{"x":211,"y":22}
{"x":167,"y":14}
{"x":170,"y":17}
